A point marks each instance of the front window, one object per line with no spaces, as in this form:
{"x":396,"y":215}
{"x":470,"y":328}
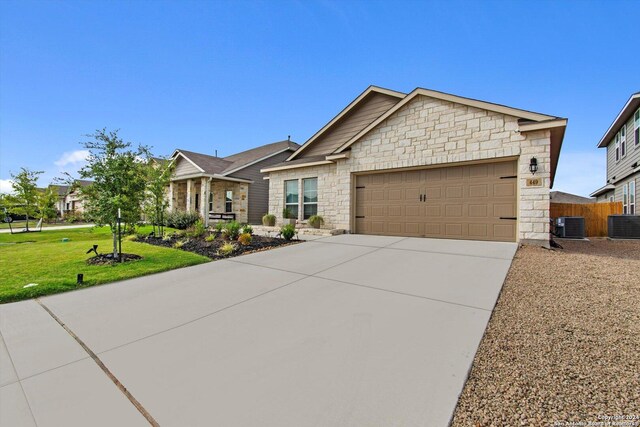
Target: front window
{"x":210,"y":202}
{"x":310,"y":200}
{"x":632,"y":197}
{"x":625,"y":199}
{"x":291,"y":198}
{"x":636,"y":127}
{"x":228,"y":201}
{"x":623,"y":140}
{"x":197,"y":201}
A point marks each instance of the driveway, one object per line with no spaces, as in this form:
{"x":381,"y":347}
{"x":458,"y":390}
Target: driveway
{"x":347,"y":330}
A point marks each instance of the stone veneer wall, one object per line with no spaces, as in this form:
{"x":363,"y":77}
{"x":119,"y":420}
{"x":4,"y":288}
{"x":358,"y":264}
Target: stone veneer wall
{"x":240,"y":198}
{"x":430,"y":131}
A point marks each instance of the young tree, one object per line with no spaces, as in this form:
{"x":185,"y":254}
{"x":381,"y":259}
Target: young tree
{"x":119,"y":181}
{"x":46,"y":203}
{"x":24,"y":200}
{"x":158,"y":179}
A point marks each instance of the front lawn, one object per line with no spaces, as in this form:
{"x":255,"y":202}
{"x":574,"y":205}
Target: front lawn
{"x":43,"y":258}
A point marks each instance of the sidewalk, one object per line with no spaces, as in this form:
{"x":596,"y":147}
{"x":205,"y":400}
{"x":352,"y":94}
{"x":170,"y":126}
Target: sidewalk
{"x":57,"y":227}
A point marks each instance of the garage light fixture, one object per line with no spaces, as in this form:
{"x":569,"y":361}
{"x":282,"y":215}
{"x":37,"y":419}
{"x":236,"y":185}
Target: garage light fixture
{"x":533,"y":165}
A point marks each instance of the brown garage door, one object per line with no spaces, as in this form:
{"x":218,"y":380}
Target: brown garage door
{"x":475,"y":202}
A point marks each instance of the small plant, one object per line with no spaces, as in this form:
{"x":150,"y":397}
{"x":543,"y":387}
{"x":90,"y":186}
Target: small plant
{"x":269,"y":220}
{"x":247,"y":229}
{"x":210,"y":238}
{"x":132,"y":238}
{"x":288,"y":231}
{"x":198,"y":229}
{"x":231,"y":230}
{"x":167,"y":238}
{"x":316,"y":221}
{"x":245,"y":239}
{"x":226,"y":249}
{"x":287,"y":213}
{"x":180,"y":243}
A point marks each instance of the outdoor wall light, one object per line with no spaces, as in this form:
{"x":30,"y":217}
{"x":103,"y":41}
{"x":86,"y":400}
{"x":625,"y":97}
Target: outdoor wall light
{"x":533,"y":165}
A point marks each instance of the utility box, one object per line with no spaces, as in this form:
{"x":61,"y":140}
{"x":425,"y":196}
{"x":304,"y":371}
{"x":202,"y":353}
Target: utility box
{"x":570,"y":227}
{"x":624,"y":226}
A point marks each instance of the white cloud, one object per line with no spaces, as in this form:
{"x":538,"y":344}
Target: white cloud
{"x":581,"y":172}
{"x":73,"y":158}
{"x":5,"y":186}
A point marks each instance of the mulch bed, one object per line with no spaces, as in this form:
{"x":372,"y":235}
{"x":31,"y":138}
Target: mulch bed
{"x":563,"y":343}
{"x":210,"y":249}
{"x":108,"y":259}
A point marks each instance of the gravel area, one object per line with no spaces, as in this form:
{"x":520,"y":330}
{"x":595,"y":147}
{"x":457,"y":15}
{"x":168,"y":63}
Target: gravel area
{"x":563,"y":344}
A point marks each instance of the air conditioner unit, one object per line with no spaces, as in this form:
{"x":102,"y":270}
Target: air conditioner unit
{"x":624,"y":226}
{"x":570,"y":227}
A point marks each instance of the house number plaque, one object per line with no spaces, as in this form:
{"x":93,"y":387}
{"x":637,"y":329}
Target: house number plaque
{"x":534,"y":182}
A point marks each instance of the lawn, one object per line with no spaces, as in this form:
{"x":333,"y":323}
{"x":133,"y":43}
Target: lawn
{"x":43,"y":258}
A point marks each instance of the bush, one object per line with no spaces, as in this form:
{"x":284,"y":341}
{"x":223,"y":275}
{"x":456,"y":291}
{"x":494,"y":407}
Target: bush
{"x":316,"y":221}
{"x":226,"y":249}
{"x":231,"y":230}
{"x":210,"y":238}
{"x":132,"y":238}
{"x":218,"y":227}
{"x":197,"y":230}
{"x":167,"y":237}
{"x":247,"y":229}
{"x":181,"y":220}
{"x":288,"y":231}
{"x":269,"y":220}
{"x":245,"y":239}
{"x":73,"y":217}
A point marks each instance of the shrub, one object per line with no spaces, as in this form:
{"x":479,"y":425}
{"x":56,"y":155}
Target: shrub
{"x":181,"y":220}
{"x":167,"y":237}
{"x":210,"y":238}
{"x":245,"y":239}
{"x":269,"y":220}
{"x":132,"y":238}
{"x":180,"y":243}
{"x":226,"y":249}
{"x":73,"y":217}
{"x":247,"y":229}
{"x":316,"y":221}
{"x":231,"y":230}
{"x":218,"y":227}
{"x":197,"y":229}
{"x":288,"y":231}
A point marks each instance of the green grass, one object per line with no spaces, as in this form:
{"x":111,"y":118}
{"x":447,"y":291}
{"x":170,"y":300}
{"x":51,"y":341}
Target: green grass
{"x":44,"y":259}
{"x":19,"y":225}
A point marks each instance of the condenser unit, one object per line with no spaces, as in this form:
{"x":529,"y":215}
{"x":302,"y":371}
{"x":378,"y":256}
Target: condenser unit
{"x":570,"y":227}
{"x":624,"y":226}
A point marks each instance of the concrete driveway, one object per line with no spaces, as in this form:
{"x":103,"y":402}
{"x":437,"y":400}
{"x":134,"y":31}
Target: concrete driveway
{"x":346,"y":330}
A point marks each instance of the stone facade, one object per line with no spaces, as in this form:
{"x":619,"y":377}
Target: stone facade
{"x":184,"y":192}
{"x":425,"y":132}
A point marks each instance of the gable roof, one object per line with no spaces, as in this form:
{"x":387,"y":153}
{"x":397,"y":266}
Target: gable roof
{"x":354,"y":104}
{"x":629,"y":108}
{"x":484,"y":105}
{"x":224,"y":166}
{"x":562,"y":197}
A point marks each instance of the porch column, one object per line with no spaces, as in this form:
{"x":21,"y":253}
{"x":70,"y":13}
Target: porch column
{"x":204,"y":200}
{"x":189,"y":185}
{"x":170,"y":196}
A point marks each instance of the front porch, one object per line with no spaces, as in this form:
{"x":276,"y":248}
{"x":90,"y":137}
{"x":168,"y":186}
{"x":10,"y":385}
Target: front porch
{"x":214,"y":199}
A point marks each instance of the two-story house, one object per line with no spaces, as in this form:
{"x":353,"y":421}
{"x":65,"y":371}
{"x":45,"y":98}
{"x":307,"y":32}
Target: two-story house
{"x":622,"y":141}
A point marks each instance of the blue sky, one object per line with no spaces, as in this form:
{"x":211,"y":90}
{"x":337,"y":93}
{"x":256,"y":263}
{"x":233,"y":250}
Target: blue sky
{"x":206,"y":75}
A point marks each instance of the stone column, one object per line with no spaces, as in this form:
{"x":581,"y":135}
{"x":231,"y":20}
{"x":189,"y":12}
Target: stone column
{"x":170,"y":196}
{"x":189,"y":185}
{"x":204,"y":200}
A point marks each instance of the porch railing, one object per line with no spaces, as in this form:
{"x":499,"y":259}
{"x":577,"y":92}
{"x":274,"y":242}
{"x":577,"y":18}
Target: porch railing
{"x":222,"y":216}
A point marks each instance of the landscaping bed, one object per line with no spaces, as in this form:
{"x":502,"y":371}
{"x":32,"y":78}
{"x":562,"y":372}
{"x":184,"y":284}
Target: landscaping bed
{"x":212,"y":248}
{"x":563,"y":343}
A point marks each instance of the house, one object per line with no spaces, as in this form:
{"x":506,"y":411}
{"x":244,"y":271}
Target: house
{"x":562,"y":197}
{"x":622,"y":142}
{"x":69,"y":199}
{"x":425,"y":163}
{"x":229,"y":187}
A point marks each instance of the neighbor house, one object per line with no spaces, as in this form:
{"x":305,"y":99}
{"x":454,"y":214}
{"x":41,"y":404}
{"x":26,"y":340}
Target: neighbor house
{"x":428,"y":164}
{"x":69,"y":198}
{"x":574,"y":199}
{"x":622,"y":141}
{"x":221,"y":188}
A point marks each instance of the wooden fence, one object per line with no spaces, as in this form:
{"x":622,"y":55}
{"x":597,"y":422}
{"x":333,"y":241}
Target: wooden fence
{"x":595,"y":215}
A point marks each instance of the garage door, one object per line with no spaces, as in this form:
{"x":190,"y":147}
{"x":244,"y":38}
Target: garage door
{"x":475,"y":202}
